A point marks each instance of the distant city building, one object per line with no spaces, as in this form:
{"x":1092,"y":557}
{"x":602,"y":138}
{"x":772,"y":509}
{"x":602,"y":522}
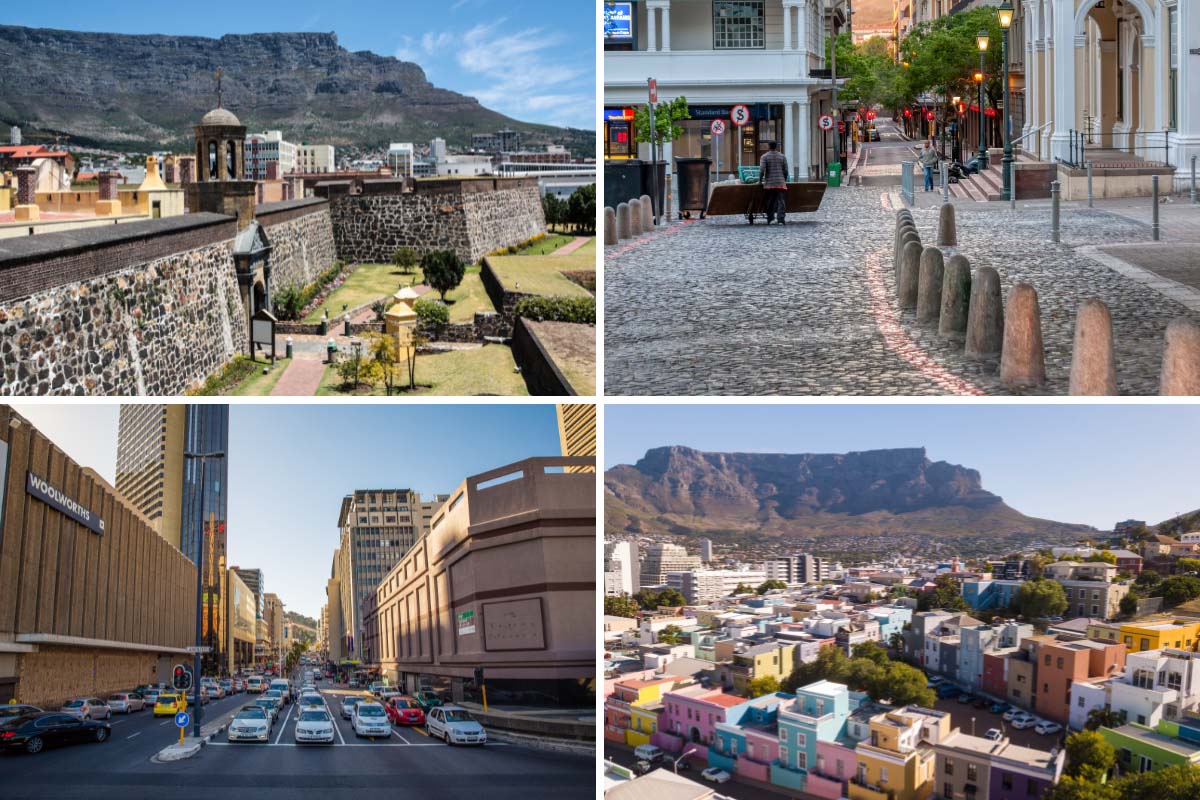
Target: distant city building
{"x":424,"y":168}
{"x":621,"y":568}
{"x":706,"y":551}
{"x":265,"y":148}
{"x":801,"y":568}
{"x":437,"y":149}
{"x":464,"y":166}
{"x":400,"y":158}
{"x":1129,"y":526}
{"x":315,"y":158}
{"x":14,"y":135}
{"x":662,"y":558}
{"x":707,"y":585}
{"x":505,"y":141}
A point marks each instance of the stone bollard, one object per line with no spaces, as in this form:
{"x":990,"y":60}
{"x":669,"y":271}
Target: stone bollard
{"x":947,"y":235}
{"x":1181,"y":359}
{"x":635,"y":216}
{"x":647,"y":213}
{"x":956,"y":298}
{"x":910,"y":270}
{"x":610,"y":225}
{"x":624,"y":224}
{"x":1093,"y":366}
{"x":929,"y":286}
{"x":1022,"y":358}
{"x":985,"y":316}
{"x":906,"y":237}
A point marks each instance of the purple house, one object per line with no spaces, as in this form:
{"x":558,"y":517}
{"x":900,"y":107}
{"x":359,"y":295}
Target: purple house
{"x":966,"y":764}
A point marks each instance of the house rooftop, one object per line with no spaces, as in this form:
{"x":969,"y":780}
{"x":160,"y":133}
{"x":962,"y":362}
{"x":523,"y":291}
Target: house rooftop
{"x":1157,"y":739}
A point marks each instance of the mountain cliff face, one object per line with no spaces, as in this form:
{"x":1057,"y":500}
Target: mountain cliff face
{"x":680,"y":490}
{"x":147,"y":91}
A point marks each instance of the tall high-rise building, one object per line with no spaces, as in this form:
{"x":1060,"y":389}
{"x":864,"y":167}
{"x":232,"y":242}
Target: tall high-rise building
{"x":184,"y":498}
{"x":706,"y":553}
{"x":253,"y":578}
{"x":14,"y":135}
{"x":378,"y":526}
{"x":662,"y":558}
{"x":437,"y":149}
{"x":577,"y":432}
{"x":621,"y":568}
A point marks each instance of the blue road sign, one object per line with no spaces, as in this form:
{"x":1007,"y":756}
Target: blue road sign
{"x":182,"y":719}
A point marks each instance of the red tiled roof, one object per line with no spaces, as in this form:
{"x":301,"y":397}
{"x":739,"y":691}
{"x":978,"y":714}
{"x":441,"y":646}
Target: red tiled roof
{"x":724,"y":700}
{"x":29,"y":151}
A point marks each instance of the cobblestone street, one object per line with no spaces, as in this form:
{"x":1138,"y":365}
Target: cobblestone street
{"x":721,"y":307}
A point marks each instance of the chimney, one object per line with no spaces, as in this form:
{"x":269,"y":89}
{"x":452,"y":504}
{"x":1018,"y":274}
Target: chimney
{"x":108,"y":185}
{"x":26,"y":185}
{"x":272,"y":170}
{"x":186,"y":170}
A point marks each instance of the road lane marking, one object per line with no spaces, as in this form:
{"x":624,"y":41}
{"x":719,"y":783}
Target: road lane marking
{"x":283,"y":727}
{"x":337,"y":729}
{"x":130,"y":736}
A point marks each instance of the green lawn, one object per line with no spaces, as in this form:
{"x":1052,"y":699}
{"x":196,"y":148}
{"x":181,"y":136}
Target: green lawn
{"x":588,"y":249}
{"x":486,"y":370}
{"x":242,"y":377}
{"x":374,"y":281}
{"x":545,"y":246}
{"x":542,"y":274}
{"x":259,"y":385}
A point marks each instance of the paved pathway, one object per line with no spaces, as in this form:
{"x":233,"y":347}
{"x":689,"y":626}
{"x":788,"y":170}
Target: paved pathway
{"x":722,"y":307}
{"x":301,"y":378}
{"x":572,"y":246}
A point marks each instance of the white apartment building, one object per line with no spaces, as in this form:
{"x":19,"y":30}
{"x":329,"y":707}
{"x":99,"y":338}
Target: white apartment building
{"x":720,"y":54}
{"x":464,"y":166}
{"x":265,"y":148}
{"x":661,"y":558}
{"x":315,"y":158}
{"x":437,"y":149}
{"x":1157,"y":685}
{"x":620,"y":568}
{"x":400,"y":158}
{"x":706,"y":585}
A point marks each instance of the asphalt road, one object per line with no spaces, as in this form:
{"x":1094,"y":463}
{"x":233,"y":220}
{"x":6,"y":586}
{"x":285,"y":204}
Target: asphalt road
{"x":407,"y":761}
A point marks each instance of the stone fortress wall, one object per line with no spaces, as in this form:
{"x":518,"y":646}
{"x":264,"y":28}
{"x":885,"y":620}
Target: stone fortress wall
{"x":471,"y":216}
{"x":301,"y":237}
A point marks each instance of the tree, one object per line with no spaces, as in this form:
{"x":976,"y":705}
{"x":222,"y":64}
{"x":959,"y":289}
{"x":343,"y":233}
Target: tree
{"x":1189,"y":564}
{"x":942,"y":57}
{"x":581,"y":208}
{"x":900,"y":684}
{"x":743,"y":588}
{"x":443,"y":270}
{"x":672,"y":634}
{"x":1073,"y":788}
{"x":666,"y":114}
{"x":386,"y":356}
{"x":649,"y":599}
{"x":1179,"y":782}
{"x":1089,"y":755}
{"x":620,"y":606}
{"x":1178,"y":589}
{"x":768,"y":684}
{"x":1129,"y":603}
{"x":553,"y":208}
{"x":767,"y":586}
{"x":1105,"y":556}
{"x":1102,"y":717}
{"x":945,"y":594}
{"x":872,"y":651}
{"x":405,"y":258}
{"x":1040,"y":598}
{"x":831,"y":664}
{"x":864,"y":675}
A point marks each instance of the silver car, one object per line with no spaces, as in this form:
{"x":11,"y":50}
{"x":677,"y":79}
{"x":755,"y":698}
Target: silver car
{"x":454,"y":725}
{"x":82,"y":708}
{"x":369,"y":719}
{"x":348,"y":705}
{"x":126,"y":702}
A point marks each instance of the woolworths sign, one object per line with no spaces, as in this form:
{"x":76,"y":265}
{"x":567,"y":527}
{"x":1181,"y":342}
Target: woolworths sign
{"x":56,"y":499}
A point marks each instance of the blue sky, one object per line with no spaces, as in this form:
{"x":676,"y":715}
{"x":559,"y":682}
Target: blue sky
{"x":290,"y":466}
{"x":1091,"y":464}
{"x":534,"y":60}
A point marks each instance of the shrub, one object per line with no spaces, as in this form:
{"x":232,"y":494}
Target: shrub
{"x":405,"y":258}
{"x":431,"y":313}
{"x":289,"y":302}
{"x":380,"y":308}
{"x":558,"y":309}
{"x":443,"y":270}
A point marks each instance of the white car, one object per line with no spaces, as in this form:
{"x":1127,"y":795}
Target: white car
{"x":277,"y":696}
{"x":369,"y":719}
{"x":82,"y":708}
{"x":311,"y":700}
{"x":251,"y":724}
{"x":994,"y":734}
{"x":716,"y":775}
{"x":454,"y":725}
{"x":1046,"y":727}
{"x":126,"y":702}
{"x":315,"y":726}
{"x":1013,"y":713}
{"x":1023,"y":721}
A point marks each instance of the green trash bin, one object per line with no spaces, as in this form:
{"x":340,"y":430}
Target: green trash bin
{"x":835,"y":174}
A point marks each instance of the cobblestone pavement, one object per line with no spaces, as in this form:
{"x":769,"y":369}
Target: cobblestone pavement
{"x":721,"y":307}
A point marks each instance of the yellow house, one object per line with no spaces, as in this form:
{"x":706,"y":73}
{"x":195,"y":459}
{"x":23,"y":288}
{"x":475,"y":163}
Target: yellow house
{"x":1104,"y":631}
{"x":631,"y":711}
{"x":896,"y":762}
{"x":773,"y":660}
{"x":643,"y":723}
{"x":1155,"y":634}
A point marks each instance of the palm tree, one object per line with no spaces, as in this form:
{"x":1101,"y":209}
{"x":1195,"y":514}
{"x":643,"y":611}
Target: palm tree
{"x":1102,"y":718}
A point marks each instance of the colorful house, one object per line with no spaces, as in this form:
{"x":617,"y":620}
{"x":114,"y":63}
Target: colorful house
{"x":1142,"y":749}
{"x":769,"y":660}
{"x":897,"y":761}
{"x":972,"y":766}
{"x":747,"y":744}
{"x":689,"y":719}
{"x":818,"y":713}
{"x":631,"y":711}
{"x":1160,"y":634}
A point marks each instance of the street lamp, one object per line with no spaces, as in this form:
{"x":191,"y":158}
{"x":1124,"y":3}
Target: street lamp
{"x":982,"y":41}
{"x":1005,"y":14}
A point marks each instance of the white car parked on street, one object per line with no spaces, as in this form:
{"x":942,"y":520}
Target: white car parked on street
{"x":454,"y":725}
{"x":1023,"y":721}
{"x":369,"y":719}
{"x":716,"y":775}
{"x":1045,"y":727}
{"x":315,"y":726}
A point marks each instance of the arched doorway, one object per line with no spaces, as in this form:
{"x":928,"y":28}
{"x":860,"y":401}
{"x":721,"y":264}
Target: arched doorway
{"x":260,"y":297}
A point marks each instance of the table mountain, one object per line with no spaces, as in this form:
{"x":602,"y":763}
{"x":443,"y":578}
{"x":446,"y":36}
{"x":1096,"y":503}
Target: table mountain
{"x":874,"y":493}
{"x":145,"y":92}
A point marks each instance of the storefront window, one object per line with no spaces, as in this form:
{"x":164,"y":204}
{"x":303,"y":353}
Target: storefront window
{"x":738,"y":24}
{"x":618,"y":133}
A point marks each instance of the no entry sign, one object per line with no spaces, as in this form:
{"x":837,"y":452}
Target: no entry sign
{"x":740,"y":115}
{"x":718,"y":127}
{"x":825,"y":123}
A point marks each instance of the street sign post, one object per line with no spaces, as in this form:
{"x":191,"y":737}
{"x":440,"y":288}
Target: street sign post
{"x":825,"y":123}
{"x":181,"y":721}
{"x":718,"y":129}
{"x":740,"y":116}
{"x":653,"y":90}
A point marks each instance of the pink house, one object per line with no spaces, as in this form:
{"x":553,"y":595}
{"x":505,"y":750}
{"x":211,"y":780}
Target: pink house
{"x":835,"y":766}
{"x":690,"y":716}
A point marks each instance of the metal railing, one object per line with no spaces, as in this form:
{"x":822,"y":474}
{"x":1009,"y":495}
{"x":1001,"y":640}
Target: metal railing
{"x":1085,"y":142}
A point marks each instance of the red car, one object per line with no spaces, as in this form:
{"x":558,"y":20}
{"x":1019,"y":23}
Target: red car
{"x":403,"y":710}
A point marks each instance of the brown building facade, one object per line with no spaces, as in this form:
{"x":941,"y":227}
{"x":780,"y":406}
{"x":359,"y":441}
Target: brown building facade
{"x":505,"y":580}
{"x":92,"y":599}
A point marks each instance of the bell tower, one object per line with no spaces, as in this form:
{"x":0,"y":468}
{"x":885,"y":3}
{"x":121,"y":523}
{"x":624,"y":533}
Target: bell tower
{"x":221,"y":186}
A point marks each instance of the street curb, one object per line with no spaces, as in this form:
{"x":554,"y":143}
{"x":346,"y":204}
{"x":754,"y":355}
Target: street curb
{"x":586,"y":750}
{"x":192,"y":745}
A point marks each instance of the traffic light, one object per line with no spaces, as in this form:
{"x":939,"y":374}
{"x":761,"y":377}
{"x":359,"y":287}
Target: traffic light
{"x":479,"y":676}
{"x":182,"y":678}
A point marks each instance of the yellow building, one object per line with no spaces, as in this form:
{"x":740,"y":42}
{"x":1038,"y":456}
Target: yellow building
{"x":150,"y":464}
{"x":631,"y":711}
{"x":1154,"y":634}
{"x":1104,"y":631}
{"x":577,"y":431}
{"x":896,"y":761}
{"x":771,"y":660}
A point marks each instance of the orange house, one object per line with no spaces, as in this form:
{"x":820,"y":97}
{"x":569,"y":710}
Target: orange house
{"x":1060,"y":664}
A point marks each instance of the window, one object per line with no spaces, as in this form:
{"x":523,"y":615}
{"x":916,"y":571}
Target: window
{"x":1059,"y":663}
{"x":1031,"y":786}
{"x":882,"y":776}
{"x":949,"y":767}
{"x":1145,"y":644}
{"x":1006,"y":781}
{"x":972,"y":772}
{"x":1047,"y":659}
{"x":802,"y":759}
{"x":1145,"y":764}
{"x":948,"y":791}
{"x":738,"y":24}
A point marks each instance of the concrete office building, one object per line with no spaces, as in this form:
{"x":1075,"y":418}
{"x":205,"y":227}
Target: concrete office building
{"x":266,"y":148}
{"x":504,"y":580}
{"x":273,"y":617}
{"x":242,"y":624}
{"x":621,"y":568}
{"x":400,"y":158}
{"x":706,"y":550}
{"x":801,"y":568}
{"x":315,"y":158}
{"x":577,"y":430}
{"x":706,"y":585}
{"x":150,"y":464}
{"x":662,"y":558}
{"x":92,"y":599}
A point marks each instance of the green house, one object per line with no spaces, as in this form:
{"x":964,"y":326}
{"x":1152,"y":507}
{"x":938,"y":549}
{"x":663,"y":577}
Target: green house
{"x":1142,"y":749}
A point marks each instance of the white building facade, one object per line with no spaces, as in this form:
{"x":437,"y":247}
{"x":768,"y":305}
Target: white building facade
{"x":315,"y":158}
{"x":266,"y":148}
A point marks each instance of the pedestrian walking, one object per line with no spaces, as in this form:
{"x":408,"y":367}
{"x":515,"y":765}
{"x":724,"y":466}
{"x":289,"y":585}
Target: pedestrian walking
{"x":929,"y":160}
{"x":772,"y":174}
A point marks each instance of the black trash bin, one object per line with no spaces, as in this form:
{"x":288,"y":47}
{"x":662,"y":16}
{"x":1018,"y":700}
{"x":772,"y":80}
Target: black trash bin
{"x":648,"y":182}
{"x":622,"y":181}
{"x":693,"y":184}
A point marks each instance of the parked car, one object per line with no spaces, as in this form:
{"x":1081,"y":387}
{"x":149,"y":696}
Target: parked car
{"x":994,"y":734}
{"x":1012,"y":711}
{"x":454,"y":725}
{"x":934,"y":680}
{"x":980,"y":702}
{"x":1023,"y":721}
{"x":947,"y":691}
{"x":1046,"y":728}
{"x":87,"y":708}
{"x":649,"y":752}
{"x":314,"y":725}
{"x":965,"y":697}
{"x":268,"y":705}
{"x":348,"y":705}
{"x":169,"y":704}
{"x":35,"y":732}
{"x":369,"y":719}
{"x":126,"y":702}
{"x":427,"y":700}
{"x":404,"y":710}
{"x":251,"y":724}
{"x":999,"y":708}
{"x":17,"y":710}
{"x":150,"y":696}
{"x":716,"y":775}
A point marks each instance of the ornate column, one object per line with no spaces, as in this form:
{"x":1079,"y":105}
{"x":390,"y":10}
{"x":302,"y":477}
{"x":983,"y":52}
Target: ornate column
{"x":804,"y":136}
{"x":789,"y":136}
{"x":666,"y":26}
{"x":651,"y":28}
{"x":1066,"y":74}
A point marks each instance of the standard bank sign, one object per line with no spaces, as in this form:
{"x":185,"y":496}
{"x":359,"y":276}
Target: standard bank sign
{"x":54,"y":497}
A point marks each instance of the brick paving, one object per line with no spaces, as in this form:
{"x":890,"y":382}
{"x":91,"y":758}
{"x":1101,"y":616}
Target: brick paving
{"x":571,"y":246}
{"x":721,"y":307}
{"x":301,"y":378}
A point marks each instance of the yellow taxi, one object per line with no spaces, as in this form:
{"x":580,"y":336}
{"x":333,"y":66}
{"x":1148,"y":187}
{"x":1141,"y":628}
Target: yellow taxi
{"x":169,"y":704}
